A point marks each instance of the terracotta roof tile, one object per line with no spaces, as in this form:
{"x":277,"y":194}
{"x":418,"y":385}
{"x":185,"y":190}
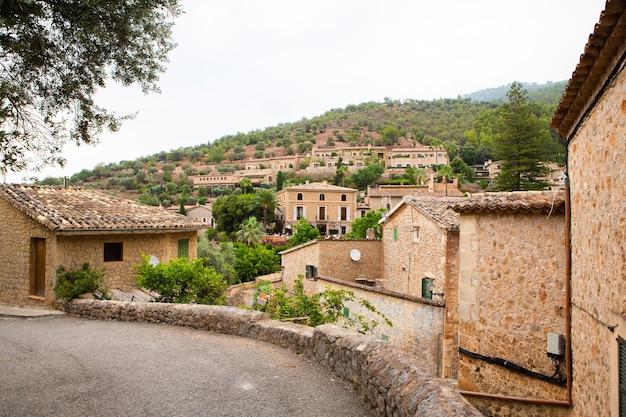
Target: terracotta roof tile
{"x":436,"y":208}
{"x":320,"y":186}
{"x":75,"y":209}
{"x":517,"y":201}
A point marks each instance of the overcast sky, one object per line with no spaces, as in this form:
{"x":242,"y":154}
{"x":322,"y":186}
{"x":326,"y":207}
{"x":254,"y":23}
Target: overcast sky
{"x":243,"y":65}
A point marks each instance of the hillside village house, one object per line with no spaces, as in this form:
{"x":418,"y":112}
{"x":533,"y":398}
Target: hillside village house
{"x":592,"y":119}
{"x":328,"y":207}
{"x":44,"y":227}
{"x":512,"y":302}
{"x":421,"y":259}
{"x":410,"y":275}
{"x":388,"y":196}
{"x":356,"y":265}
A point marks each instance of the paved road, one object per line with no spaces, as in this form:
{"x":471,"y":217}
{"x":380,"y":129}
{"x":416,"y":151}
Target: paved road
{"x":65,"y":366}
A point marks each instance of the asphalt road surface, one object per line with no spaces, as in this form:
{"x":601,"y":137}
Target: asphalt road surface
{"x":65,"y":366}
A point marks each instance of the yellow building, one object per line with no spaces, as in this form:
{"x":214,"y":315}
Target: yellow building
{"x":328,"y":207}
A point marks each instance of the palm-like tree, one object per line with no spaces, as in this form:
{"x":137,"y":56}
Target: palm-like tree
{"x":265,"y":200}
{"x":245,"y":184}
{"x":250,"y":231}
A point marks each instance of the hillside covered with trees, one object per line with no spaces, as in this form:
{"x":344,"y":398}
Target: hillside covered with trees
{"x":465,"y":127}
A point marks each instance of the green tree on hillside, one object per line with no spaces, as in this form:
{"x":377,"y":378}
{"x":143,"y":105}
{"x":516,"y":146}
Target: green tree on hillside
{"x":303,"y":232}
{"x":265,"y":200}
{"x":370,"y":221}
{"x":366,"y":176}
{"x":250,"y":231}
{"x":230,"y":211}
{"x":518,"y":144}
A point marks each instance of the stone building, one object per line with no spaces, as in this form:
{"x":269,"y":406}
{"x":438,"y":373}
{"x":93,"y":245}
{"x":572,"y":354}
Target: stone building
{"x":356,"y":265}
{"x":512,"y":302}
{"x":591,"y":118}
{"x":44,"y":227}
{"x":328,"y":207}
{"x":388,"y":196}
{"x":421,"y":259}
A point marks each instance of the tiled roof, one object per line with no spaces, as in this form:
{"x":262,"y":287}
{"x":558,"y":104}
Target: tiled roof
{"x":436,"y":208}
{"x":75,"y":209}
{"x":320,"y":186}
{"x":517,"y":201}
{"x":603,"y":53}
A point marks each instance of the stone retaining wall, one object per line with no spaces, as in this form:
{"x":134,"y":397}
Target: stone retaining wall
{"x":385,"y":377}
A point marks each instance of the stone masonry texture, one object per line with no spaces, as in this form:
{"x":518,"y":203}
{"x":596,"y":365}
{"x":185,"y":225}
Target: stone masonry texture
{"x":597,"y":170}
{"x":512,"y":293}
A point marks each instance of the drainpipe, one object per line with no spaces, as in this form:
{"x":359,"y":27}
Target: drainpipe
{"x":568,"y":292}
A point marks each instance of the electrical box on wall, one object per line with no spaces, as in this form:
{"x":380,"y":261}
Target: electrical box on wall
{"x":556,"y":344}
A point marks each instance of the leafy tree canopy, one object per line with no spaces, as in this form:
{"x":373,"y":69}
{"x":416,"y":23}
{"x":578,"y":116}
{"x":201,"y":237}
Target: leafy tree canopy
{"x":55,"y":55}
{"x":360,"y":225}
{"x":303,"y":232}
{"x":231,"y":211}
{"x":520,"y":143}
{"x":366,"y":176}
{"x":254,"y":261}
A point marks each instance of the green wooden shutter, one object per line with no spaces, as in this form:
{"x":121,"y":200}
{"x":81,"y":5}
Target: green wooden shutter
{"x":183,"y":248}
{"x":622,"y":376}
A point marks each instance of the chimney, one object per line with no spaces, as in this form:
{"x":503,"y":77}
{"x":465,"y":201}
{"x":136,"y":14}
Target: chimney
{"x":66,"y":182}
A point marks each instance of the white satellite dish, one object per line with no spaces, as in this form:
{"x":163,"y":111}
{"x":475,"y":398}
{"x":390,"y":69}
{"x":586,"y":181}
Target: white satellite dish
{"x":355,"y":255}
{"x":154,"y":261}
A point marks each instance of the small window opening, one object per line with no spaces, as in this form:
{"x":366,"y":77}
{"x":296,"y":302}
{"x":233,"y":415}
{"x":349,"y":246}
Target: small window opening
{"x":113,"y":252}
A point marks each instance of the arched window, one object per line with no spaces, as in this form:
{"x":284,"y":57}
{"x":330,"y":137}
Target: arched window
{"x":299,"y":196}
{"x":322,"y":197}
{"x":344,"y":197}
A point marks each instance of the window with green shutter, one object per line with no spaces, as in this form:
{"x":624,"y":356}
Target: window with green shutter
{"x":622,"y":376}
{"x":183,"y":248}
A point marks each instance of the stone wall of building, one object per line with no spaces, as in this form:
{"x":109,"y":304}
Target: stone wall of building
{"x":16,"y":232}
{"x":512,"y":293}
{"x":332,"y":258}
{"x":596,"y":164}
{"x":408,"y":258}
{"x":388,"y":380}
{"x":74,"y":250}
{"x":335,"y":259}
{"x":451,"y":315}
{"x":417,"y":323}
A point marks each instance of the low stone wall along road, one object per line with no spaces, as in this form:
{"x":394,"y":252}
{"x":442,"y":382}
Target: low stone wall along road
{"x":67,"y":366}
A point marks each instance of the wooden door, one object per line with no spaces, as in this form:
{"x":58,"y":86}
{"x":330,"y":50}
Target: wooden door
{"x":38,"y":267}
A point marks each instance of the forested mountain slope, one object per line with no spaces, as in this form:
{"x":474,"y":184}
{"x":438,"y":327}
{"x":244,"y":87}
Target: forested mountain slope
{"x":465,"y":122}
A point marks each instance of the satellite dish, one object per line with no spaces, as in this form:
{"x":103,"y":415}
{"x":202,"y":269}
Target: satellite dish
{"x":355,"y":255}
{"x":154,"y":261}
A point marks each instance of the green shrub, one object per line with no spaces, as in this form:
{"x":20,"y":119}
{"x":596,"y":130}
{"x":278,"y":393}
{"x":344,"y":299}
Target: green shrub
{"x":320,"y":308}
{"x":71,"y":284}
{"x":182,"y":281}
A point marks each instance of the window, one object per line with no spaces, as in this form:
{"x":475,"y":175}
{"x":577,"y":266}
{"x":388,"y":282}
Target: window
{"x":622,"y":376}
{"x":427,"y":288}
{"x":343,"y":213}
{"x":183,"y":248}
{"x":344,"y":197}
{"x":395,"y":233}
{"x":322,"y":197}
{"x":321,"y":213}
{"x":113,"y":252}
{"x":416,"y":234}
{"x":299,"y":212}
{"x":299,"y":197}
